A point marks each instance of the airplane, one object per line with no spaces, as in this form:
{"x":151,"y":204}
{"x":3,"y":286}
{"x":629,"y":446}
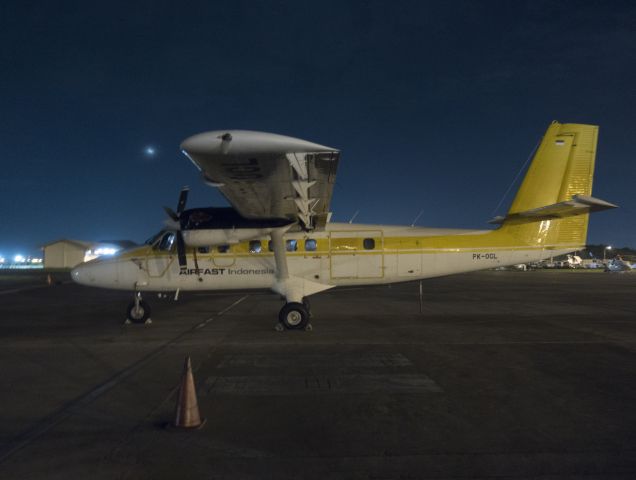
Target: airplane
{"x":277,"y":234}
{"x":574,"y":261}
{"x":617,"y":264}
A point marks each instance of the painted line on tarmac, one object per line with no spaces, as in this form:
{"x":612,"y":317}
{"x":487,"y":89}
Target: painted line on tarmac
{"x":31,"y":287}
{"x":44,"y":425}
{"x":320,"y":384}
{"x":23,"y":289}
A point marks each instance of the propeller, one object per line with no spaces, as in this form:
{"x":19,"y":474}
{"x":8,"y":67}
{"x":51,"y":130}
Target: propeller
{"x":176,"y":225}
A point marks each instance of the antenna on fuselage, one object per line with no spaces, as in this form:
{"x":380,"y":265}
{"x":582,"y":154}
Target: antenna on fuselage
{"x":354,"y":216}
{"x":417,"y":218}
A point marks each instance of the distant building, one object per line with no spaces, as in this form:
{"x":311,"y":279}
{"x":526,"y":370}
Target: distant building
{"x":65,"y":253}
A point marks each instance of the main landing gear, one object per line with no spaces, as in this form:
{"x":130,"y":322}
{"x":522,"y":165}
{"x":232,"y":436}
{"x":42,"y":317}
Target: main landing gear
{"x":138,"y":310}
{"x":295,"y":316}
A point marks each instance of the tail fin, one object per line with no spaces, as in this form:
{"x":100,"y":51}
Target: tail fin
{"x":559,"y":180}
{"x":563,"y":166}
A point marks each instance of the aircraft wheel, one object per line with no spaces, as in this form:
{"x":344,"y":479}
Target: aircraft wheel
{"x":138,"y":314}
{"x":294,"y":316}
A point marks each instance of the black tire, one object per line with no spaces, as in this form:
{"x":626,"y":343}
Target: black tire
{"x":138,"y":315}
{"x":294,"y":316}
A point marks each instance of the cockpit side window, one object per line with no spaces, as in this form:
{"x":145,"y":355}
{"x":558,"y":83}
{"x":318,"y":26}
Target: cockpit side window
{"x":167,"y":242}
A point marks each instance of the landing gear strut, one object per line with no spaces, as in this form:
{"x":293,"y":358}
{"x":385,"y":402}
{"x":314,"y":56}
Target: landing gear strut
{"x":295,"y":313}
{"x":138,"y":310}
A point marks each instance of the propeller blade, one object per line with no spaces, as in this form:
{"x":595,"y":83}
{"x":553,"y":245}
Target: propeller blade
{"x":183,"y":198}
{"x":171,"y":213}
{"x":181,"y":253}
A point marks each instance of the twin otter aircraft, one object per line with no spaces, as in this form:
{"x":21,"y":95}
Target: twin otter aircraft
{"x":277,"y":235}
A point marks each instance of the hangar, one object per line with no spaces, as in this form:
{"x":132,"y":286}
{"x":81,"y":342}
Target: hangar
{"x":65,"y":253}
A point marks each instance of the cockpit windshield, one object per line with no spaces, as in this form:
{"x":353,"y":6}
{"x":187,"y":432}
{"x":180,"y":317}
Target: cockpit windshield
{"x":152,"y":240}
{"x":164,"y":240}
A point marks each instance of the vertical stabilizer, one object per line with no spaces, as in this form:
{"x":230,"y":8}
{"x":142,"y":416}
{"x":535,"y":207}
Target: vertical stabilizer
{"x":562,"y":167}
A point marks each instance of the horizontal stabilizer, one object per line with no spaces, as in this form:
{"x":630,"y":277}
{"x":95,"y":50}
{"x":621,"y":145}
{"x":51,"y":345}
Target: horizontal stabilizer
{"x":579,"y":205}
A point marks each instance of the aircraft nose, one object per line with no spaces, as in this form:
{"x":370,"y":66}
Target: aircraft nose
{"x":106,"y":274}
{"x":79,"y":275}
{"x":84,"y":274}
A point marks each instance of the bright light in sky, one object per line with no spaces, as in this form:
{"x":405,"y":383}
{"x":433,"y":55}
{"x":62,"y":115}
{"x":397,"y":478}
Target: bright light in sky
{"x":19,"y":259}
{"x":150,"y":151}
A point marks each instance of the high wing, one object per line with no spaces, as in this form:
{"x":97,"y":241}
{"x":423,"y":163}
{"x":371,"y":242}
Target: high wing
{"x":264,"y":175}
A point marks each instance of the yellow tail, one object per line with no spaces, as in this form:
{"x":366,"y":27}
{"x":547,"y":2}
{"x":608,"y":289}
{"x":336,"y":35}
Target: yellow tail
{"x":561,"y":170}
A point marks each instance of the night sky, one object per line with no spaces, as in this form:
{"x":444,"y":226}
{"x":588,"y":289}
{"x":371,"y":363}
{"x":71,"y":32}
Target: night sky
{"x":434,"y":105}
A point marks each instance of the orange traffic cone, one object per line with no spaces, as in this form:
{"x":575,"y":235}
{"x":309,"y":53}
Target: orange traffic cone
{"x":187,"y":411}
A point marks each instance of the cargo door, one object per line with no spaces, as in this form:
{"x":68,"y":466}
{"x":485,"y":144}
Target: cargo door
{"x":356,"y":254}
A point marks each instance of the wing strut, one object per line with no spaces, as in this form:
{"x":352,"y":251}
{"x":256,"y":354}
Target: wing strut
{"x":280,"y":255}
{"x":293,"y":288}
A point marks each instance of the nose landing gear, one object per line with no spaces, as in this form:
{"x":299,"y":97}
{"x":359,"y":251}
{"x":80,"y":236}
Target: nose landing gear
{"x":138,"y":310}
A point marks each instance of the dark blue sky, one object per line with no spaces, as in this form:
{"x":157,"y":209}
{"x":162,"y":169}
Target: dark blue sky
{"x":435,"y":105}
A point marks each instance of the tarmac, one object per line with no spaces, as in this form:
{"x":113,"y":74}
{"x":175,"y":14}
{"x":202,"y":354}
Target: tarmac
{"x":502,"y":375}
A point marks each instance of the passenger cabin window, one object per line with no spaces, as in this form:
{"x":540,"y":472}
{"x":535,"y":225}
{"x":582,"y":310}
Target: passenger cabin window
{"x":368,"y":243}
{"x":203,"y":250}
{"x":167,"y":241}
{"x":255,"y":246}
{"x":311,"y":245}
{"x":290,"y":246}
{"x":223,"y":248}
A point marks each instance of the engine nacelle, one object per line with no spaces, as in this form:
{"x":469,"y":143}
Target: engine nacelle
{"x":223,"y":236}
